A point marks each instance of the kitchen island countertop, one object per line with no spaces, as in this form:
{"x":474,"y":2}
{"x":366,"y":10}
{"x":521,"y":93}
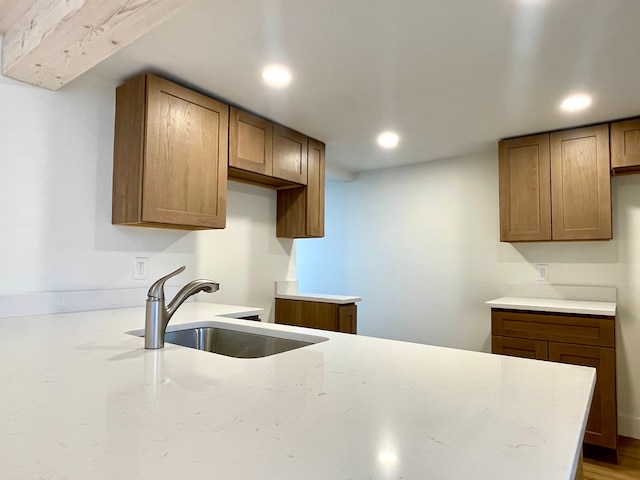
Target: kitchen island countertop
{"x":82,"y":399}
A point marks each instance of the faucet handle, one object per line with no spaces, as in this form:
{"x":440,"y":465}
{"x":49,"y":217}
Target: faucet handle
{"x":156,"y":292}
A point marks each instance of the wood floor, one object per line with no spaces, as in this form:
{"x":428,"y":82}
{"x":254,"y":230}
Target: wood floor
{"x":628,"y":467}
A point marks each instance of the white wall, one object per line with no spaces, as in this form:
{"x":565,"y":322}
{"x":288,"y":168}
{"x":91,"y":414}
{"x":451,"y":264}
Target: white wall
{"x":421,"y":245}
{"x":246,"y":257}
{"x":56,"y":157}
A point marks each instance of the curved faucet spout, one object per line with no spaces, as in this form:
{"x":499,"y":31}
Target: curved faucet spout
{"x":158,"y":315}
{"x":189,"y":289}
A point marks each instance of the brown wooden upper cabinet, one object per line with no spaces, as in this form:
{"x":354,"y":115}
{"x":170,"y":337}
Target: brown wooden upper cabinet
{"x":266,"y":153}
{"x":250,"y":142}
{"x":170,"y":156}
{"x":290,"y":155}
{"x":300,"y":211}
{"x":556,"y":186}
{"x":625,"y":146}
{"x":174,"y":148}
{"x":525,"y":189}
{"x":581,"y":184}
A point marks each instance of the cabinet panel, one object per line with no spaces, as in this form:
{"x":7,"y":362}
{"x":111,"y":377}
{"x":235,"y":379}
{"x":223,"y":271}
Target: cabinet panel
{"x":525,"y":189}
{"x":307,"y":314}
{"x":518,"y":347}
{"x":315,"y":189}
{"x":581,"y":184}
{"x":128,"y":151}
{"x":290,"y":155}
{"x":584,"y":330}
{"x":250,"y":142}
{"x":602,"y":422}
{"x":625,"y":145}
{"x":348,"y":319}
{"x":321,"y":315}
{"x":288,"y":312}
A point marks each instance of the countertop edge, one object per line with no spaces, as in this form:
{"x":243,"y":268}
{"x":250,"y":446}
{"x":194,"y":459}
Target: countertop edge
{"x":583,"y":307}
{"x":312,"y":297}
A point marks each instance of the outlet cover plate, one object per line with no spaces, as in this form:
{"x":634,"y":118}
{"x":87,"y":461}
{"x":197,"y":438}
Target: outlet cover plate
{"x":542,"y":272}
{"x":140,"y":268}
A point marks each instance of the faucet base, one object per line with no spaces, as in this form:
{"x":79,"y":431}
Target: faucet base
{"x":153,"y":330}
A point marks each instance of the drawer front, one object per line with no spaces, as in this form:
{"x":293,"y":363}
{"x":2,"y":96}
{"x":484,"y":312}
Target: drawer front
{"x":302,"y":313}
{"x":576,"y":329}
{"x":519,"y":347}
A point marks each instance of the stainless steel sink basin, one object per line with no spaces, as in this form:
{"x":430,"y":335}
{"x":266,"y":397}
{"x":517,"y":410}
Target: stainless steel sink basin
{"x":235,"y":340}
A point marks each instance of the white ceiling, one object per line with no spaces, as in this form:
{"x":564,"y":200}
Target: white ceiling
{"x":450,"y":76}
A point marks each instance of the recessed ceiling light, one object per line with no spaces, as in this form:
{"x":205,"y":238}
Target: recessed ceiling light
{"x":388,"y":139}
{"x":276,"y":76}
{"x":387,"y":457}
{"x":575,"y":103}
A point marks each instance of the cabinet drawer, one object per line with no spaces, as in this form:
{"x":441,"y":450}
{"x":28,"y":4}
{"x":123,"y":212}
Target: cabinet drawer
{"x":519,"y":347}
{"x":576,"y":329}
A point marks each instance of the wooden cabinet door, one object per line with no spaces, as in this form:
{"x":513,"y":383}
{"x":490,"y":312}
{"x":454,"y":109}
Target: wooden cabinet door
{"x":602,"y":424}
{"x":519,"y":347}
{"x":185,"y":168}
{"x":315,"y":189}
{"x":525,"y":189}
{"x":348,"y":318}
{"x":250,"y":142}
{"x":625,"y":144}
{"x":289,"y":155}
{"x":581,"y":184}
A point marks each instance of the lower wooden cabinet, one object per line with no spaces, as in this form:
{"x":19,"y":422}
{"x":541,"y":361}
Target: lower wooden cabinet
{"x":565,"y":338}
{"x":322,"y":315}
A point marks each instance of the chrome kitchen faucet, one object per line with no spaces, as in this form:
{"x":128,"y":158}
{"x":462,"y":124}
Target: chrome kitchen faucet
{"x":158,"y":316}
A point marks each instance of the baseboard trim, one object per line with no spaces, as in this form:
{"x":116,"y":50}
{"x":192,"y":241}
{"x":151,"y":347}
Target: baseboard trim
{"x":629,"y":426}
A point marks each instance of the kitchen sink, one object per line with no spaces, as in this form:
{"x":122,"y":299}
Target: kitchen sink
{"x":237,"y":341}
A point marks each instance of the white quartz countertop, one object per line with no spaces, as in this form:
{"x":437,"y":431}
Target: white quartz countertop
{"x":290,"y":290}
{"x":81,"y":399}
{"x":555,"y":305}
{"x":322,"y":298}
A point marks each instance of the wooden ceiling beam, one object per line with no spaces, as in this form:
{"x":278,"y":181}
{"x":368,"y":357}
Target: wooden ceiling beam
{"x":10,"y":11}
{"x":55,"y":41}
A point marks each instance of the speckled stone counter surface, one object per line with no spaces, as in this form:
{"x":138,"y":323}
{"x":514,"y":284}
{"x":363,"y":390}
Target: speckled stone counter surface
{"x":322,"y":298}
{"x":290,"y":290}
{"x":583,"y":307}
{"x":81,"y":399}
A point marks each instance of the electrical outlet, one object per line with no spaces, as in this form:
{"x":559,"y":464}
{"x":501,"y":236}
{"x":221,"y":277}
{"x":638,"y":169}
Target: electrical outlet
{"x":542,"y":272}
{"x":140,"y":268}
